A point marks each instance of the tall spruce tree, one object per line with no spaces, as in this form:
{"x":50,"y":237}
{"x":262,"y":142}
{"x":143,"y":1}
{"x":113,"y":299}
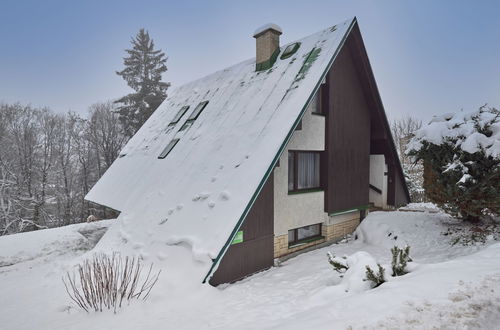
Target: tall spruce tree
{"x":143,"y":70}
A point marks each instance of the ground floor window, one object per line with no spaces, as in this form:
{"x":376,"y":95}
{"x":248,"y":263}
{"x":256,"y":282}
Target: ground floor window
{"x":304,"y":234}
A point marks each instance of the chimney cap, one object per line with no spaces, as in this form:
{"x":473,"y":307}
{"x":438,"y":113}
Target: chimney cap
{"x":266,"y":27}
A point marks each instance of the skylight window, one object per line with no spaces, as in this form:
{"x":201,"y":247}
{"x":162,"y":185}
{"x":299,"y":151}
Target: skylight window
{"x":168,"y":148}
{"x":290,"y":50}
{"x":195,"y":114}
{"x":199,"y":108}
{"x":179,"y":115}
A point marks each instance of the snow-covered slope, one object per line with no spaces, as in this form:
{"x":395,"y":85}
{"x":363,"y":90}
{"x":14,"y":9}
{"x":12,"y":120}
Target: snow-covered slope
{"x":198,"y":194}
{"x":450,"y":287}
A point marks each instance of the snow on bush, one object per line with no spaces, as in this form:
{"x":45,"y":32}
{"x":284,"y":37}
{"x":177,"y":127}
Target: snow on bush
{"x":108,"y":281}
{"x":353,"y":270}
{"x":461,"y":154}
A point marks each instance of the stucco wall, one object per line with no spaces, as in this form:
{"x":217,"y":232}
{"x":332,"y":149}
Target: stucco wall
{"x":298,"y":210}
{"x":379,"y":180}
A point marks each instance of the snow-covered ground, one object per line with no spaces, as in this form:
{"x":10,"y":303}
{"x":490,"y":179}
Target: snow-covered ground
{"x":449,"y":286}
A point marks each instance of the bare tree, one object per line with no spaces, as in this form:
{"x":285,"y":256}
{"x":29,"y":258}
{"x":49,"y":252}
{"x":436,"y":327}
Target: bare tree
{"x":49,"y":162}
{"x":402,"y":131}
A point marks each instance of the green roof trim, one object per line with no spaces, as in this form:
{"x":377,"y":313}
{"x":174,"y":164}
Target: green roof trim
{"x":351,"y":209}
{"x":276,"y":157}
{"x":269,"y":63}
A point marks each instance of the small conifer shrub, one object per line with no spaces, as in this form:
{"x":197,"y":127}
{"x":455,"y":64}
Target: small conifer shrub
{"x":400,"y":259}
{"x":376,"y":278}
{"x":339,"y":264}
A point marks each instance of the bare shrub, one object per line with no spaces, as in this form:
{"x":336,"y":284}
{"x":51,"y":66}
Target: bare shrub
{"x":108,"y":281}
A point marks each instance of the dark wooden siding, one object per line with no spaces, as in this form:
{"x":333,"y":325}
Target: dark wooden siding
{"x":347,"y":137}
{"x":256,"y":252}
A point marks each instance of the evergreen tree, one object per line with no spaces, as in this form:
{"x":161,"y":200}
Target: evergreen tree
{"x":461,"y":156}
{"x":143,"y":69}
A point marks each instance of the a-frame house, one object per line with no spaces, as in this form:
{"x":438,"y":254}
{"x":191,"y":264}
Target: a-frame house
{"x":273,"y":156}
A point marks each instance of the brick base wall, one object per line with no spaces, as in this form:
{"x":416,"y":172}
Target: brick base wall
{"x":329,"y":232}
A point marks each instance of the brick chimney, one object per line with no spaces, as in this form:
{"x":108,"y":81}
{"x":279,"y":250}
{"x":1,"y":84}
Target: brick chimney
{"x":267,"y":39}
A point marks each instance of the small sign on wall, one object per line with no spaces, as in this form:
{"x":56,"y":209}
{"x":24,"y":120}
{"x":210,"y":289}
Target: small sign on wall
{"x":238,"y":238}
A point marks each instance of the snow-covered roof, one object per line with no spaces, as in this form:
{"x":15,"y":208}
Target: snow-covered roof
{"x":266,"y":27}
{"x":200,"y":192}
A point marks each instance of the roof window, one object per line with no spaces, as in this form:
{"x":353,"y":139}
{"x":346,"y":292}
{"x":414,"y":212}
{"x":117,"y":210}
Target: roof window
{"x":290,"y":50}
{"x":168,"y":148}
{"x":195,"y":114}
{"x":179,"y":115}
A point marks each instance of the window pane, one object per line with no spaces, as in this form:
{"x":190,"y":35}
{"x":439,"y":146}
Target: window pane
{"x":199,"y":108}
{"x":291,"y":169}
{"x":179,"y":114}
{"x":168,"y":148}
{"x":308,"y":231}
{"x":308,"y":170}
{"x":316,"y":104}
{"x":291,"y":235}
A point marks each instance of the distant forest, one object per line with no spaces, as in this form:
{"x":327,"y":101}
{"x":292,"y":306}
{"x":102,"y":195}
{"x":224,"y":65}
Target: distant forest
{"x":49,"y":161}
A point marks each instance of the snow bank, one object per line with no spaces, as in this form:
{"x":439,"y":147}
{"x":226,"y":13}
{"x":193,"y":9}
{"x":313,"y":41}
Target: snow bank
{"x":303,"y":292}
{"x":41,"y":243}
{"x":354,"y":279}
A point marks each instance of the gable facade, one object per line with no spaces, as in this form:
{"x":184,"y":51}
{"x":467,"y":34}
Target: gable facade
{"x":210,"y":169}
{"x":338,"y":126}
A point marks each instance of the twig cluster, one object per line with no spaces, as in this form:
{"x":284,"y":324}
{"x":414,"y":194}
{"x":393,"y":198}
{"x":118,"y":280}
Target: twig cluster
{"x":108,"y":281}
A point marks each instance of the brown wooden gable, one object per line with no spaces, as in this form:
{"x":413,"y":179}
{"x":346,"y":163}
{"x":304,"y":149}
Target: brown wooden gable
{"x":356,"y":126}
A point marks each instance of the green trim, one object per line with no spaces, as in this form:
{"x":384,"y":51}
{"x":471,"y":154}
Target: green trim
{"x":238,"y":238}
{"x":269,"y":63}
{"x":277,"y":156}
{"x":305,"y":191}
{"x":351,"y":209}
{"x":306,"y":241}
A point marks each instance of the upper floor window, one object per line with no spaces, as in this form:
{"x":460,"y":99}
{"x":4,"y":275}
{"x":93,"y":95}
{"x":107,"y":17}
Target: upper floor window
{"x":304,"y":168}
{"x":316,"y":105}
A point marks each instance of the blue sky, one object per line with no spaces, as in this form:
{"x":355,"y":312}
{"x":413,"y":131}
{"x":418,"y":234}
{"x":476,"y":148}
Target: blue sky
{"x":428,"y":57}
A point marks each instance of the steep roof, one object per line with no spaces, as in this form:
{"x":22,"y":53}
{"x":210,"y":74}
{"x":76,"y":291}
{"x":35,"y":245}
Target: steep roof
{"x":201,"y":191}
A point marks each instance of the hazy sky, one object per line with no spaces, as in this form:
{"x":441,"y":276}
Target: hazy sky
{"x":428,"y":56}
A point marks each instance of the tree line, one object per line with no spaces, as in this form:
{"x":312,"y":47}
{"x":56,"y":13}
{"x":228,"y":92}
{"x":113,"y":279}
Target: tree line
{"x":50,"y":161}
